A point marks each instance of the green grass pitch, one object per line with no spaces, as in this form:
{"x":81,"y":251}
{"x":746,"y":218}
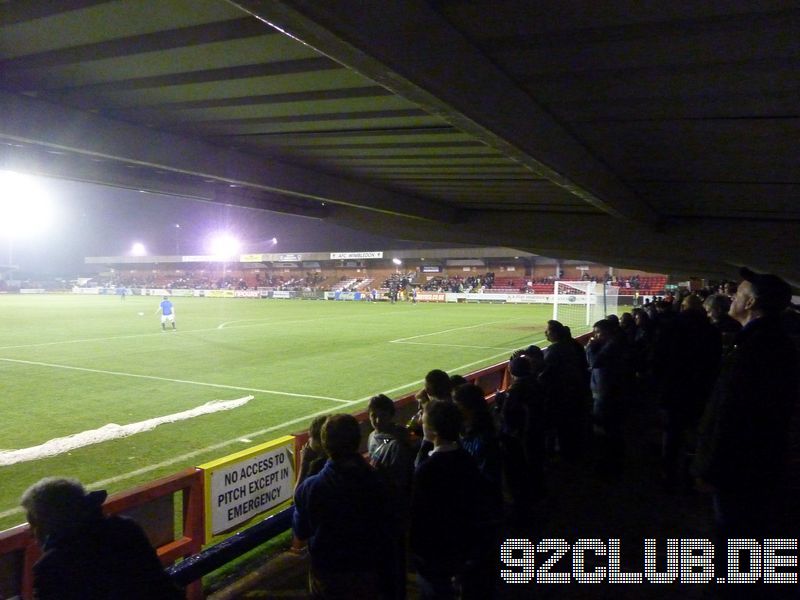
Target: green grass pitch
{"x":76,"y":363}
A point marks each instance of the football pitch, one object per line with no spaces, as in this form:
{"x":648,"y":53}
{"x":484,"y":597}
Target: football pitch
{"x":72,"y":364}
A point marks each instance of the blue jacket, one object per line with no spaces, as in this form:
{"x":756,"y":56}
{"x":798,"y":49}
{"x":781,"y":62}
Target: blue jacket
{"x":344,"y":513}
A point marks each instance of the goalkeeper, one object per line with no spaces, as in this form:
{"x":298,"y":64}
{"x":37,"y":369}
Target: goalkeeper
{"x":167,"y":311}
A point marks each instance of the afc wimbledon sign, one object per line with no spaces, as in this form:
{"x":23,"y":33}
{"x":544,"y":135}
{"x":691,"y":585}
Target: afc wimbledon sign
{"x":355,"y":255}
{"x":247,"y":484}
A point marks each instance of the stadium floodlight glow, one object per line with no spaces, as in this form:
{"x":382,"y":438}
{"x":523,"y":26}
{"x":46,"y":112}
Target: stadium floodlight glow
{"x":274,"y":241}
{"x":224,"y":245}
{"x":138,"y":249}
{"x":25,"y":205}
{"x":397,"y":261}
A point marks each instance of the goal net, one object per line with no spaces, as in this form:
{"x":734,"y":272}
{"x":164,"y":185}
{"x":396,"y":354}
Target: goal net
{"x":580,"y":304}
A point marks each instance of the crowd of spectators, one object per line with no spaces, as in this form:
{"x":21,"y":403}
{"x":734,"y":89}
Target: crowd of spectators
{"x":399,"y":281}
{"x":633,"y":282}
{"x":463,"y":474}
{"x":440,"y":493}
{"x":457,"y":284}
{"x":232,"y":280}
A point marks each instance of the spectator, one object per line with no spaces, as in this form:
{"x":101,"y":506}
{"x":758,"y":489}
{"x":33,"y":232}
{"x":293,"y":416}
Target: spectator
{"x":742,"y":448}
{"x":606,"y":358}
{"x":345,"y":515}
{"x":448,"y":509}
{"x":566,"y":384}
{"x":628,"y":326}
{"x":390,"y":453}
{"x":88,"y":556}
{"x":522,"y":434}
{"x":689,"y":350}
{"x":717,"y":307}
{"x":456,"y":381}
{"x":729,"y":288}
{"x":642,"y":345}
{"x":479,"y":437}
{"x":437,"y":386}
{"x":388,"y":445}
{"x":312,"y":456}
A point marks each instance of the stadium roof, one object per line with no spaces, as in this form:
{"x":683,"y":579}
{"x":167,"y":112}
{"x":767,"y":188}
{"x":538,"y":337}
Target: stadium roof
{"x":431,"y":254}
{"x":655,"y":135}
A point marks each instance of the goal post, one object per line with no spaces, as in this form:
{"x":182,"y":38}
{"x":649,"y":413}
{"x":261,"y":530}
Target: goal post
{"x":580,"y":304}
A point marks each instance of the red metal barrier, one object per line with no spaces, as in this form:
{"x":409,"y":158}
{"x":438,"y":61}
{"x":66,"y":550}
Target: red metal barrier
{"x":489,"y":379}
{"x":18,"y":540}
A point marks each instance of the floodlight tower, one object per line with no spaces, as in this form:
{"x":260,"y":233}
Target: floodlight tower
{"x":223,"y":247}
{"x":25,"y":208}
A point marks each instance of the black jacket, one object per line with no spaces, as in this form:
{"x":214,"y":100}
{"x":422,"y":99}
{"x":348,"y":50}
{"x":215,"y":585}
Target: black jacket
{"x":108,"y":558}
{"x":742,"y":442}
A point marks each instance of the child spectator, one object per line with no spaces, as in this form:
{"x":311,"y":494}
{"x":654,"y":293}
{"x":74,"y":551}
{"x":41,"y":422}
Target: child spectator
{"x":448,"y":506}
{"x":312,"y":456}
{"x":344,"y":513}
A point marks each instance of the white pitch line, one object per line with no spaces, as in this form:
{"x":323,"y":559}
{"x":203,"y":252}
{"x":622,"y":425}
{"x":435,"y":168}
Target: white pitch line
{"x":186,"y":381}
{"x":178,"y":459}
{"x":152,"y":334}
{"x":99,"y":339}
{"x":112,"y":431}
{"x":159,"y":333}
{"x":219,"y":445}
{"x":414,"y":337}
{"x":452,"y":345}
{"x":451,"y":370}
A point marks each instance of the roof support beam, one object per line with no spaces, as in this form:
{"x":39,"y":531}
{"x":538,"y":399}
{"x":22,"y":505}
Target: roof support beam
{"x":703,"y":248}
{"x":410,"y":49}
{"x":74,"y":167}
{"x":34,"y":121}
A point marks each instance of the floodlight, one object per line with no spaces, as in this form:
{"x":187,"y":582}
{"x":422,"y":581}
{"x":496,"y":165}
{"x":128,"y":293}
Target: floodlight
{"x":25,"y":205}
{"x":397,"y":261}
{"x":224,"y":245}
{"x":138,"y":249}
{"x":274,"y":241}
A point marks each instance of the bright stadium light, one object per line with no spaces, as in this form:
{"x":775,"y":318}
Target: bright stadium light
{"x":25,"y":205}
{"x":224,"y":245}
{"x":177,"y":238}
{"x":397,"y":261}
{"x":138,"y":249}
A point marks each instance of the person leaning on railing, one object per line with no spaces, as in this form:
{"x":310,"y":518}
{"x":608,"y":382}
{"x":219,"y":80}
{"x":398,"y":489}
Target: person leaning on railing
{"x":86,"y":555}
{"x":345,"y":515}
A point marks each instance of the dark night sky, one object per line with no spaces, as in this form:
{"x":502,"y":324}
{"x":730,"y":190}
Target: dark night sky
{"x":95,"y":220}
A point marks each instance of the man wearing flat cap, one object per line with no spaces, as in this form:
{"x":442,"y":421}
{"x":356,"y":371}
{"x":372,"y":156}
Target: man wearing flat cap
{"x":86,"y":555}
{"x":742,"y":447}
